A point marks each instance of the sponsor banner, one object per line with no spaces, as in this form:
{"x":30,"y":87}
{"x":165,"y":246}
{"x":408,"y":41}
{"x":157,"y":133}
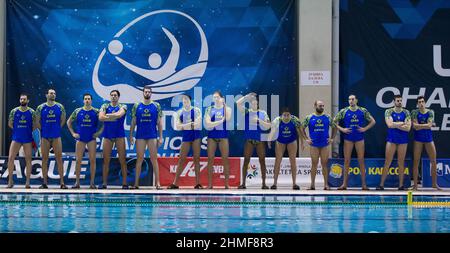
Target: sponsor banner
{"x":443,"y":172}
{"x":114,"y":177}
{"x":374,"y":169}
{"x":168,"y":167}
{"x":285,"y":176}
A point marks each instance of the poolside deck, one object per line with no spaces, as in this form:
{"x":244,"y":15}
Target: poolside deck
{"x":218,"y":191}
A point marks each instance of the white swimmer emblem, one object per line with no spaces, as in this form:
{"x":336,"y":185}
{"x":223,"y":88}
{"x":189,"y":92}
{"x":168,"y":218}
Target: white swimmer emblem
{"x":167,"y":82}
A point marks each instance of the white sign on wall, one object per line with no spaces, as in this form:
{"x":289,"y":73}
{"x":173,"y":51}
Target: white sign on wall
{"x":315,"y":78}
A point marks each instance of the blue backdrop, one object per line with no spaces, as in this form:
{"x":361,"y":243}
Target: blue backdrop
{"x":390,"y":47}
{"x":175,"y":45}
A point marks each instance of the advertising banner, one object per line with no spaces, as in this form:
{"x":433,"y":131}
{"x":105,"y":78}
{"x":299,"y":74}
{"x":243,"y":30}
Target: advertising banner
{"x":285,"y":176}
{"x":443,"y":173}
{"x":114,"y":176}
{"x":374,"y":168}
{"x":168,"y":167}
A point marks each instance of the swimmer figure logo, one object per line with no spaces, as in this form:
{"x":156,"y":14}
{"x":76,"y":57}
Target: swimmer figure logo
{"x":166,"y":81}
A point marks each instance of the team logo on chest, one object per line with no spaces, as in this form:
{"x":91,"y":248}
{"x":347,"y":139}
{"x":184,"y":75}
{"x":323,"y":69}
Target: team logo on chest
{"x":87,"y":118}
{"x":319,"y":123}
{"x":286,"y":131}
{"x":146,"y":113}
{"x":51,"y":114}
{"x":23,"y":119}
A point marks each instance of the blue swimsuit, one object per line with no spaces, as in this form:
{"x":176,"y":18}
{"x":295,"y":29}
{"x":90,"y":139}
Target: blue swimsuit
{"x":423,"y":135}
{"x":396,"y":135}
{"x":354,"y":120}
{"x":318,"y":126}
{"x":22,"y":124}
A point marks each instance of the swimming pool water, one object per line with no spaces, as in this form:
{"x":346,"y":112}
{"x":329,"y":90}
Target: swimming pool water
{"x":70,"y":213}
